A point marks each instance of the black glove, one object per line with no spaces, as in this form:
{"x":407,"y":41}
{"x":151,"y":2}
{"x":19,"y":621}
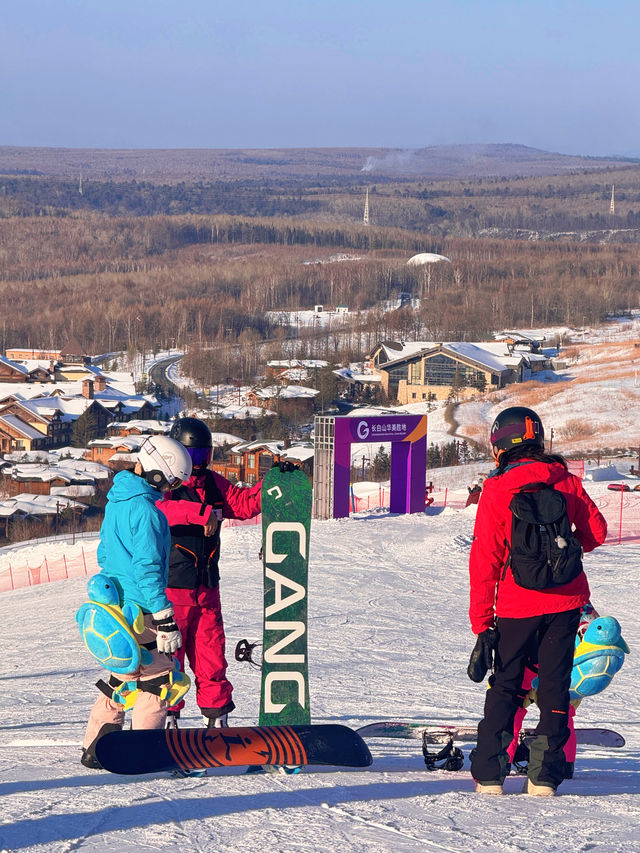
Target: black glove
{"x":481,"y":660}
{"x":285,"y":466}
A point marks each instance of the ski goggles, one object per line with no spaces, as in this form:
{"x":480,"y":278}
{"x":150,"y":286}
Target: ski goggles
{"x":199,"y":456}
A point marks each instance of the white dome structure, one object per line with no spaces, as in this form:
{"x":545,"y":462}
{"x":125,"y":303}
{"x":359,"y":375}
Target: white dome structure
{"x":426,"y":258}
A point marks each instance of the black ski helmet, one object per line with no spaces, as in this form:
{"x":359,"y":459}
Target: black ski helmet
{"x":516,"y":426}
{"x":191,"y":432}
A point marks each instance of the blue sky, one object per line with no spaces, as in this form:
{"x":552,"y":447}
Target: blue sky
{"x":563,"y":76}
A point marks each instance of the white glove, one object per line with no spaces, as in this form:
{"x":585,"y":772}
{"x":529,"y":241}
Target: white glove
{"x":169,"y":638}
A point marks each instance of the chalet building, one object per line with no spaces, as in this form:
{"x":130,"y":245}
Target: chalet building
{"x":15,"y":434}
{"x":287,"y":400}
{"x":104,"y":450}
{"x":60,"y":418}
{"x":10,"y":371}
{"x":45,"y":479}
{"x":35,"y":506}
{"x":249,"y":462}
{"x":73,"y":353}
{"x":33,"y":354}
{"x":417,"y":372}
{"x":138,"y":426}
{"x":40,"y":374}
{"x":71,"y":372}
{"x":289,"y":370}
{"x":48,"y":420}
{"x":7,"y":442}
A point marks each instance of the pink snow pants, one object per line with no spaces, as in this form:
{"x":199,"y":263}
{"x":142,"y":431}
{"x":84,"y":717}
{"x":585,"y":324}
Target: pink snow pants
{"x":149,"y":711}
{"x":198,"y":614}
{"x":569,"y":747}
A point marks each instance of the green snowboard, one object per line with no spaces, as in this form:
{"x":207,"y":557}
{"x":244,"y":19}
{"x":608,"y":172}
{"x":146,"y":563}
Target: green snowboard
{"x":286,"y":521}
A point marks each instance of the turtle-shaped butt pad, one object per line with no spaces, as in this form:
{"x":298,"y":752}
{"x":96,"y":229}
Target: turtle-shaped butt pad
{"x":109,"y":631}
{"x":597,"y":657}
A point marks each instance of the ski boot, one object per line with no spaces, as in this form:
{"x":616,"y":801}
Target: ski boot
{"x":488,"y":788}
{"x":88,"y":758}
{"x":221,"y":722}
{"x":172,"y":719}
{"x":538,"y":790}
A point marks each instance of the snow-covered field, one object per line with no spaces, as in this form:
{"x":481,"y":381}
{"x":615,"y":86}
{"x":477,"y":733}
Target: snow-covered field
{"x":389,"y":638}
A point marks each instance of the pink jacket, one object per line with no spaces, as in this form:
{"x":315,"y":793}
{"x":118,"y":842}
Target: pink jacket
{"x":238,"y":502}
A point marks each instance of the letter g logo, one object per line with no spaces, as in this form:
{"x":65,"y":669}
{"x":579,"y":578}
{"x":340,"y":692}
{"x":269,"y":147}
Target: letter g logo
{"x":362,"y":429}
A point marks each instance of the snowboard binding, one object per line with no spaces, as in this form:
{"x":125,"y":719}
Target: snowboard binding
{"x":245,"y":653}
{"x":521,"y":759}
{"x":449,"y":758}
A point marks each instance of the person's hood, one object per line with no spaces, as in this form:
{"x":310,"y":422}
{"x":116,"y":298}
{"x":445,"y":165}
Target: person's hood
{"x":527,"y":472}
{"x":127,"y":485}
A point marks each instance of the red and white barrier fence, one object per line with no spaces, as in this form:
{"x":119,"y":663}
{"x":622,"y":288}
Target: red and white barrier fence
{"x":621,"y":510}
{"x":20,"y":574}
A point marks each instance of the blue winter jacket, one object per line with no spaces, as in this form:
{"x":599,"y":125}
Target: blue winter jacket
{"x":135,"y":543}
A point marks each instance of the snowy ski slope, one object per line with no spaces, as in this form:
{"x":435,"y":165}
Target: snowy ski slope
{"x":389,"y":638}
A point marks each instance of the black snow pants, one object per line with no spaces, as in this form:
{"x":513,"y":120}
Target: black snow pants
{"x":554,"y":634}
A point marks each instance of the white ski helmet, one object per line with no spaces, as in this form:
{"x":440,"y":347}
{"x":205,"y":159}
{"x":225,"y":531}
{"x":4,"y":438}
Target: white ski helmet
{"x":164,"y":461}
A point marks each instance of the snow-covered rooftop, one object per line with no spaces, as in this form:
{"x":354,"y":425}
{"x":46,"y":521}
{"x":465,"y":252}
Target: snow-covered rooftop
{"x":29,"y":504}
{"x":14,"y":364}
{"x":23,"y":428}
{"x":285,"y":392}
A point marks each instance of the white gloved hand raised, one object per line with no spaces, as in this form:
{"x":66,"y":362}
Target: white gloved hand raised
{"x":169,"y":638}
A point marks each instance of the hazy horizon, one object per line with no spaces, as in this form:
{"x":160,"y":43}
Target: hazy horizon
{"x":145,"y":74}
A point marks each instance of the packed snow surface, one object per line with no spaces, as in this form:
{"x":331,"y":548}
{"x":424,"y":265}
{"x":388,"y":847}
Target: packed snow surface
{"x":388,"y":639}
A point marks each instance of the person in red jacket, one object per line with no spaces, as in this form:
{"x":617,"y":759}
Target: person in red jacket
{"x":512,"y":621}
{"x":194,"y":512}
{"x":475,"y":490}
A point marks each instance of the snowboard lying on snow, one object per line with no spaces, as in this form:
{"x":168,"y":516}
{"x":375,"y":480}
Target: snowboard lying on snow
{"x":157,"y":750}
{"x":442,"y":734}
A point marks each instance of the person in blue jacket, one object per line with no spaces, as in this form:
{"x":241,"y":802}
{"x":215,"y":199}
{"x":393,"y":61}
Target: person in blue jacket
{"x":134,"y":554}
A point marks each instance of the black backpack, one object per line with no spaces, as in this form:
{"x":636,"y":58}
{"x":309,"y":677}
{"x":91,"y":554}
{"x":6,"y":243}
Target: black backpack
{"x":543,"y":552}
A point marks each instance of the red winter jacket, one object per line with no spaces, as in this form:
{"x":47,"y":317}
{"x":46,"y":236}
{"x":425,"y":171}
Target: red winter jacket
{"x":493,"y":596}
{"x":238,"y":502}
{"x":194,"y":557}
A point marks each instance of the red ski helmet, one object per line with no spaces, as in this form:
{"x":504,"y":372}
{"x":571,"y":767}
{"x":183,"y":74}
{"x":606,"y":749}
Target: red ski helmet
{"x":516,"y":426}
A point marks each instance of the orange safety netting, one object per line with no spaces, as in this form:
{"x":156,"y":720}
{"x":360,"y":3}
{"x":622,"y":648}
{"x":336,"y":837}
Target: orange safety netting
{"x":20,"y":574}
{"x":620,"y":509}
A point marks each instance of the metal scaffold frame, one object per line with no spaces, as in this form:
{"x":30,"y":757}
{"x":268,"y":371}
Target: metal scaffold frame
{"x":323,"y":466}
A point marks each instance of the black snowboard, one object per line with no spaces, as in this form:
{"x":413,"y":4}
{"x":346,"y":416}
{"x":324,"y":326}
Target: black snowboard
{"x":156,"y":750}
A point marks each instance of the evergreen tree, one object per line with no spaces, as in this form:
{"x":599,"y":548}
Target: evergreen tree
{"x":381,"y":468}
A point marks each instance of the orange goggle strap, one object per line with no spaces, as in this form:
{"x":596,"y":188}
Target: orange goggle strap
{"x":514,"y":431}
